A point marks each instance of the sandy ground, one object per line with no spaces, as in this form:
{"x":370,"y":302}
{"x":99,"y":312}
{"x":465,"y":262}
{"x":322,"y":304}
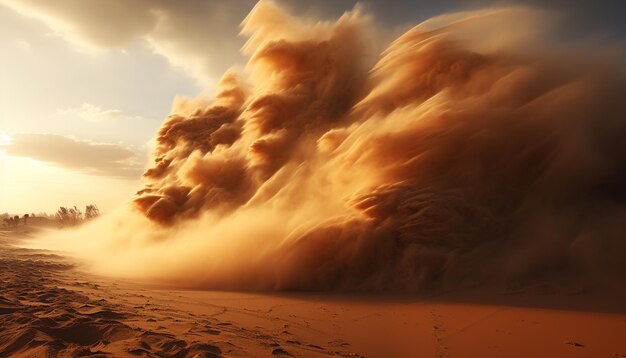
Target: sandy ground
{"x":48,"y":307}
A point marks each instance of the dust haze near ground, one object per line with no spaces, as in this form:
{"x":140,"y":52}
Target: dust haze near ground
{"x":471,"y":149}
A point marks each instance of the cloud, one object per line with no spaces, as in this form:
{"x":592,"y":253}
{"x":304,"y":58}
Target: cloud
{"x":85,"y":156}
{"x":199,"y":36}
{"x":93,"y":113}
{"x":190,"y":34}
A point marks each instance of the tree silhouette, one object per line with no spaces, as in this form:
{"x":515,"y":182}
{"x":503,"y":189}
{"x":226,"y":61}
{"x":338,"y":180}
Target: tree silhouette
{"x":69,"y":216}
{"x":91,"y":212}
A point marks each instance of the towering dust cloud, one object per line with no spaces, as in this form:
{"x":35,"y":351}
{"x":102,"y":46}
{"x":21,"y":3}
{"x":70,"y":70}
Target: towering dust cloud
{"x":472,"y":149}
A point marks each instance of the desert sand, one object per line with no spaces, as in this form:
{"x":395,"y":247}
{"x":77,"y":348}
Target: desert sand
{"x":50,"y":307}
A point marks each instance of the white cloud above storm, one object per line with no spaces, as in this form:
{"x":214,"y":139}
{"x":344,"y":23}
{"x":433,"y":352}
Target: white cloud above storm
{"x":196,"y":36}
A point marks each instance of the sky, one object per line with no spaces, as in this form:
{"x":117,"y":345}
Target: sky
{"x":85,"y":84}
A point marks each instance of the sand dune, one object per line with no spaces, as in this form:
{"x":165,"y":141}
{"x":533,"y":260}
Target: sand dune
{"x":49,"y":307}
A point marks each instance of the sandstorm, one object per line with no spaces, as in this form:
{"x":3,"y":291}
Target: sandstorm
{"x":474,"y":148}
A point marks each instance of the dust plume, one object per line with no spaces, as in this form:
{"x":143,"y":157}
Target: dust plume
{"x":472,"y":148}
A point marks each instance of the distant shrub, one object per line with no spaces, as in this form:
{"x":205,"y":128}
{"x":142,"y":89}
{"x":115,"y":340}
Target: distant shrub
{"x":91,"y":212}
{"x":11,"y":221}
{"x":69,"y":216}
{"x":73,"y":216}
